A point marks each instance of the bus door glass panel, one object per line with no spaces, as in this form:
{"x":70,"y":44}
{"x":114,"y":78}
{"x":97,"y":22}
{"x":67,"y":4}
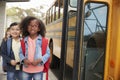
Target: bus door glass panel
{"x":94,"y":40}
{"x":70,"y":45}
{"x":73,"y":3}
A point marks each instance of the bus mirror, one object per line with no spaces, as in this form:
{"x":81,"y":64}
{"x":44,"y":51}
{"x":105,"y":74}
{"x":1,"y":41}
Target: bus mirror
{"x":87,"y":14}
{"x":88,"y":6}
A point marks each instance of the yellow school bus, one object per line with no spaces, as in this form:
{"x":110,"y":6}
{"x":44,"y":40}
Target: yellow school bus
{"x":84,"y":36}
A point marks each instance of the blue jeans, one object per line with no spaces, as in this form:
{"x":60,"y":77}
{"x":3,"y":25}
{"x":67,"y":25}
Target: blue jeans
{"x":14,"y":75}
{"x":34,"y":76}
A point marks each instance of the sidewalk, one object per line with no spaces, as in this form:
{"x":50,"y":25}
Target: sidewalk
{"x":51,"y":75}
{"x":2,"y":74}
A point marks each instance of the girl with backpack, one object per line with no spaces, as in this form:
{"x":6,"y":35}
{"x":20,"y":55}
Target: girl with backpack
{"x":34,"y":53}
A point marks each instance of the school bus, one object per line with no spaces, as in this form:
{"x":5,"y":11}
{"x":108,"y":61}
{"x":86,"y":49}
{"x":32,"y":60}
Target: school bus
{"x":84,"y":35}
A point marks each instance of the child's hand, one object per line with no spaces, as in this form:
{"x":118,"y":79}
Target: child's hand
{"x":13,"y":62}
{"x":36,"y":62}
{"x":26,"y":62}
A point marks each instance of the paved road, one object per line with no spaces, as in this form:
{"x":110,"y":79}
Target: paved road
{"x":3,"y":75}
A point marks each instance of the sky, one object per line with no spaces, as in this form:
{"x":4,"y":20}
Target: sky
{"x":31,"y":4}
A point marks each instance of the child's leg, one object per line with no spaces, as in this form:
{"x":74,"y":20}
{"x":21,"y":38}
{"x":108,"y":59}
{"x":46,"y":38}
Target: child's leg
{"x":10,"y":75}
{"x":38,"y":76}
{"x":18,"y":74}
{"x":26,"y":76}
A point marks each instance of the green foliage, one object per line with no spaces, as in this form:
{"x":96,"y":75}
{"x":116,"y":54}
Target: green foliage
{"x":18,"y":13}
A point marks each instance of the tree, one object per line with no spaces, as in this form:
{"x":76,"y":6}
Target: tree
{"x":17,"y":13}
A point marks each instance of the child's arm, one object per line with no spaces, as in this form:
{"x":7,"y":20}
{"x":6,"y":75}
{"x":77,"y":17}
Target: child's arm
{"x":23,"y":59}
{"x":13,"y":62}
{"x":5,"y":56}
{"x":46,"y":56}
{"x":36,"y":62}
{"x":43,"y":60}
{"x":3,"y":52}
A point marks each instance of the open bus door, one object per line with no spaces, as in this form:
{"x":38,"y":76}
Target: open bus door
{"x":77,"y":69}
{"x":68,"y":25}
{"x":90,"y":43}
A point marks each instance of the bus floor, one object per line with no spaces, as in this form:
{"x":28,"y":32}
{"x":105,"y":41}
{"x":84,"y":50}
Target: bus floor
{"x":51,"y":75}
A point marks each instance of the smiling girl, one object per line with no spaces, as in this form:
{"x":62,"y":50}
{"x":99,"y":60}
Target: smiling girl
{"x":35,"y":56}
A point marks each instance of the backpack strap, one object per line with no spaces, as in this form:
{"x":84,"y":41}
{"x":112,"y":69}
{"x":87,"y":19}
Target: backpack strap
{"x":9,"y":45}
{"x":23,"y":46}
{"x":44,"y":48}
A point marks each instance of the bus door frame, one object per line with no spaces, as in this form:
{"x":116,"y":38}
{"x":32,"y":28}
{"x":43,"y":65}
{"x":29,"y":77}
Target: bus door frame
{"x":77,"y":65}
{"x":64,"y":41}
{"x":78,"y":41}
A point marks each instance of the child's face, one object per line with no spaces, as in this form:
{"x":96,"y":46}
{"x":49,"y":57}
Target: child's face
{"x":33,"y":27}
{"x":15,"y":31}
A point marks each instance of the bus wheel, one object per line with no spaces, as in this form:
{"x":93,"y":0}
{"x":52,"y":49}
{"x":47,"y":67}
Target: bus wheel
{"x":51,"y":54}
{"x":54,"y":61}
{"x":51,"y":50}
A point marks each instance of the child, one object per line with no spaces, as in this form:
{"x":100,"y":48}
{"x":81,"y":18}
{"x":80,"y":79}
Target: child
{"x":7,"y":35}
{"x":33,"y":60}
{"x":10,"y":53}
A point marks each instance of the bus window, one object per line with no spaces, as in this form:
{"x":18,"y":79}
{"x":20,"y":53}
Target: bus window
{"x":73,"y":3}
{"x":61,"y":8}
{"x":94,"y":40}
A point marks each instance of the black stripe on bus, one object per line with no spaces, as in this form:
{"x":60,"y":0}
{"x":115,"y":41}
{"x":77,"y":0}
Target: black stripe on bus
{"x":70,"y":38}
{"x":71,"y":28}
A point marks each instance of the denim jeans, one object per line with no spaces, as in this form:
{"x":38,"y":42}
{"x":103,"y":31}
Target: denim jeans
{"x":17,"y":75}
{"x":32,"y":76}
